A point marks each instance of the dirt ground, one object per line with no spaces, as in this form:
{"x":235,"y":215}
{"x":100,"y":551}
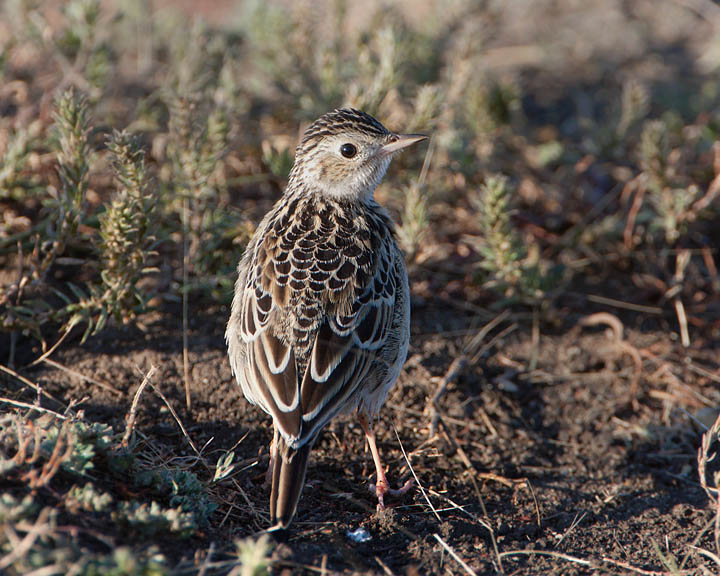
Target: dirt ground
{"x":554,"y":459}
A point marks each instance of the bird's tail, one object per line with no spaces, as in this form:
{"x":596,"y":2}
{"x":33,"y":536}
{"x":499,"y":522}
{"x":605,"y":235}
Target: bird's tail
{"x":288,"y":479}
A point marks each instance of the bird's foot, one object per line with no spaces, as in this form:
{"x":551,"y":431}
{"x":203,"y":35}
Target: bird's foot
{"x":382,"y":488}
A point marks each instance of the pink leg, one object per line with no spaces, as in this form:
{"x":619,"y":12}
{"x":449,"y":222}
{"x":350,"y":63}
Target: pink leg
{"x":381,"y":487}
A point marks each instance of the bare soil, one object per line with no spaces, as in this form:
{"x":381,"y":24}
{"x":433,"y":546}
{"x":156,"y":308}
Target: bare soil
{"x":553,"y":458}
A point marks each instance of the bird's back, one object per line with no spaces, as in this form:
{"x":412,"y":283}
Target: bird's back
{"x":320,"y":314}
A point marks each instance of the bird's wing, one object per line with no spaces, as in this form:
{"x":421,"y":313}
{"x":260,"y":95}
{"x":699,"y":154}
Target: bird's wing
{"x":271,"y":369}
{"x":326,"y":307}
{"x":347,"y":347}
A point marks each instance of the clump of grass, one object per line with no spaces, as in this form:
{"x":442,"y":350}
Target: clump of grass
{"x":87,"y":498}
{"x":416,"y":212}
{"x":198,"y":139}
{"x":72,"y":125}
{"x":27,"y":307}
{"x":279,"y":159}
{"x":188,"y":505}
{"x":670,"y":194}
{"x":15,"y":181}
{"x":84,"y":42}
{"x":477,"y":110}
{"x":200,"y":125}
{"x":47,"y":548}
{"x":124,"y":561}
{"x":634,"y":106}
{"x":41,"y":448}
{"x":199,"y":95}
{"x":489,"y":105}
{"x":14,"y":509}
{"x":515,"y":271}
{"x":254,"y":556}
{"x":154,"y":520}
{"x":126,"y":228}
{"x":79,"y":46}
{"x":127,"y":241}
{"x":415,"y":219}
{"x":294,"y":58}
{"x":82,"y":466}
{"x":183,"y":488}
{"x":84,"y":441}
{"x":501,"y":248}
{"x":378,"y":72}
{"x":426,"y":109}
{"x":314,"y":68}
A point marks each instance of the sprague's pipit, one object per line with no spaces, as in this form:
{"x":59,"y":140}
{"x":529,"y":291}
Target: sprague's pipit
{"x":321,"y":312}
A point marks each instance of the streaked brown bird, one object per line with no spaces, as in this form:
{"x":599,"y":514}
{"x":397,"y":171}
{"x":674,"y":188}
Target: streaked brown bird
{"x":320,"y":316}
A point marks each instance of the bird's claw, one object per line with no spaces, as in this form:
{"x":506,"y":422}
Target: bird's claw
{"x":382,"y":488}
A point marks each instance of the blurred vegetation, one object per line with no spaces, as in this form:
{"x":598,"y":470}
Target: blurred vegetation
{"x":199,"y":116}
{"x":138,"y":147}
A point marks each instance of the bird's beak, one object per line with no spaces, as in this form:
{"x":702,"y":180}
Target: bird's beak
{"x":400,"y":141}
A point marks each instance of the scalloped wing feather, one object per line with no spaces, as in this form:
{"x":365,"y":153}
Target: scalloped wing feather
{"x":316,"y":310}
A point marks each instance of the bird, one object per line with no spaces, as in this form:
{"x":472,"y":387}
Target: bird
{"x":319,"y":322}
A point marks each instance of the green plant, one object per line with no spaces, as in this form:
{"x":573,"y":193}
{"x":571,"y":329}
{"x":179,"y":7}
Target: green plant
{"x":125,"y":561}
{"x":515,"y":271}
{"x":26,"y":309}
{"x":79,"y":45}
{"x":68,"y":205}
{"x":84,"y":440}
{"x":427,"y":108}
{"x":153,"y":519}
{"x":87,"y":498}
{"x":670,"y":194}
{"x":254,"y":557}
{"x":295,"y":58}
{"x":415,"y":219}
{"x":13,"y":509}
{"x":181,"y":488}
{"x":634,"y":106}
{"x":15,"y":181}
{"x":42,"y":448}
{"x":126,"y":231}
{"x":278,"y":159}
{"x":51,"y":550}
{"x":377,"y":72}
{"x":70,"y":458}
{"x":501,"y":248}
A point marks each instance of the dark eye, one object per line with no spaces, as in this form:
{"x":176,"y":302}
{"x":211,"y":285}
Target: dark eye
{"x":348,"y":150}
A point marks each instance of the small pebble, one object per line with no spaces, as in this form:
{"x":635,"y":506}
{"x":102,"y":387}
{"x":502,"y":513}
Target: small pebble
{"x":359,"y":535}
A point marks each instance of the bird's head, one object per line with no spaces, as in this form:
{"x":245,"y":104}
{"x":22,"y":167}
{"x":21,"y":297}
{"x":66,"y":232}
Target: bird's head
{"x":345,"y":153}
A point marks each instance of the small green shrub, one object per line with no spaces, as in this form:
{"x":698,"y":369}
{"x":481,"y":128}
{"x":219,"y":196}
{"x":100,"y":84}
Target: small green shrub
{"x":514,"y":270}
{"x":153,"y":519}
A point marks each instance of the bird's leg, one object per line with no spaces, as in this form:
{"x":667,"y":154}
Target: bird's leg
{"x":269,"y":473}
{"x":381,"y":486}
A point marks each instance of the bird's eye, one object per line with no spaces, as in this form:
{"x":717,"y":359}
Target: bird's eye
{"x":348,"y":150}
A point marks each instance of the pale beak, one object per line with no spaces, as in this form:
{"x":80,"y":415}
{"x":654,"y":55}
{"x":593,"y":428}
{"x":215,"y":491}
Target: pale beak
{"x":400,"y":141}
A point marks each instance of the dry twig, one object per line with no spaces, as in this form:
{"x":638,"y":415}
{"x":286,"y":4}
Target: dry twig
{"x":422,"y":489}
{"x":454,"y":555}
{"x":704,"y":457}
{"x":130,"y":418}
